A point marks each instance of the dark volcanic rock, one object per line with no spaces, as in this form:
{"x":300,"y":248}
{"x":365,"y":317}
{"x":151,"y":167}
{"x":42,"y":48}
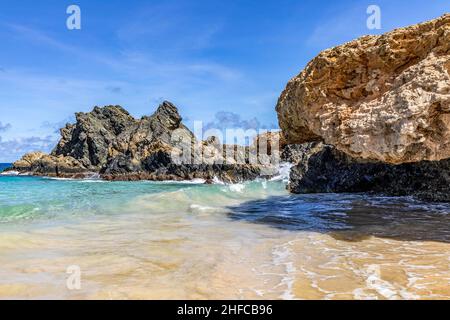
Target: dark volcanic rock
{"x":90,"y":139}
{"x":110,"y":142}
{"x":160,"y":166}
{"x":101,"y":135}
{"x":296,"y":153}
{"x":224,"y":172}
{"x":330,"y":170}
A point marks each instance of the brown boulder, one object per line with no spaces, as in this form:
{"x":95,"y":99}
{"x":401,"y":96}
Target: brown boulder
{"x":383,"y":98}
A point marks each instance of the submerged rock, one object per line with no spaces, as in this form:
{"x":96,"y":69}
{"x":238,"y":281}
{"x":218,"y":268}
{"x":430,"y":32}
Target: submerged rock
{"x":110,"y":142}
{"x":331,"y":171}
{"x":384,"y":98}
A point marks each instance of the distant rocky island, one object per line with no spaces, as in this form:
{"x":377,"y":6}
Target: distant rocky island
{"x":110,"y":143}
{"x":372,"y":115}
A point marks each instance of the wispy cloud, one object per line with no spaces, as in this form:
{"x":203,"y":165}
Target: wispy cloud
{"x":134,"y":61}
{"x":40,"y":38}
{"x":224,"y":121}
{"x":4,"y":127}
{"x":171,"y":27}
{"x":135,"y":64}
{"x":12,"y":150}
{"x":114,"y":89}
{"x":133,"y":78}
{"x":56,"y":126}
{"x":229,"y":120}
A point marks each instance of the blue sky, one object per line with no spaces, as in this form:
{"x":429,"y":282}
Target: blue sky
{"x":211,"y":58}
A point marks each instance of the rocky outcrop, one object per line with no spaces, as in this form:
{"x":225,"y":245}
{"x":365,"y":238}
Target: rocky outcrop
{"x":39,"y":163}
{"x":300,"y":153}
{"x":384,"y":98}
{"x":110,"y":142}
{"x":99,"y":136}
{"x":329,"y":170}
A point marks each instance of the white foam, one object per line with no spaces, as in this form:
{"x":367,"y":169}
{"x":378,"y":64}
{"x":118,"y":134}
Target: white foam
{"x":218,"y":181}
{"x":60,"y":179}
{"x":10,"y":173}
{"x":283,"y":172}
{"x":193,"y":181}
{"x":282,"y":257}
{"x":239,"y":187}
{"x":199,"y":208}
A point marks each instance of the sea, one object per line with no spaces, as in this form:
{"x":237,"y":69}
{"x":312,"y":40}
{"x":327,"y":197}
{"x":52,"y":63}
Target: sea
{"x":91,"y":239}
{"x":4,"y":166}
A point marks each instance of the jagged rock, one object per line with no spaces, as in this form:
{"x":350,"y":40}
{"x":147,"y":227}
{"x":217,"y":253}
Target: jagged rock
{"x":96,"y":135}
{"x":100,"y":135}
{"x":331,"y":171}
{"x":296,"y":153}
{"x":110,"y":142}
{"x":383,"y":98}
{"x":160,"y":165}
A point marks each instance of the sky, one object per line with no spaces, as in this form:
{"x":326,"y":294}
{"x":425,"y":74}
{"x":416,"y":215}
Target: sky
{"x":218,"y":61}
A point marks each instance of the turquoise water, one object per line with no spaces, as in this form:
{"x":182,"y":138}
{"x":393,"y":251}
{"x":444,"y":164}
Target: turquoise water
{"x":46,"y":198}
{"x":27,"y":197}
{"x":195,"y":241}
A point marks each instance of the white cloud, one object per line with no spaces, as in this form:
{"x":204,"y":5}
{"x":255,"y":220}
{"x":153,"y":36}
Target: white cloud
{"x":4,"y":127}
{"x":13,"y":150}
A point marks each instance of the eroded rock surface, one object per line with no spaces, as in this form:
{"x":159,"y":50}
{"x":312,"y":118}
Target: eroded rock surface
{"x":328,"y":170}
{"x":110,"y":142}
{"x":384,"y":98}
{"x":55,"y":166}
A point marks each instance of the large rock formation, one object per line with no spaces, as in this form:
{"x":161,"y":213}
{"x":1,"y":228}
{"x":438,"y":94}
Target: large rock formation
{"x":108,"y":141}
{"x":99,"y":136}
{"x":329,"y":170}
{"x":384,"y":98}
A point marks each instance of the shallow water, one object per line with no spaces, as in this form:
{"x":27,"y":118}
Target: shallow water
{"x":192,"y":241}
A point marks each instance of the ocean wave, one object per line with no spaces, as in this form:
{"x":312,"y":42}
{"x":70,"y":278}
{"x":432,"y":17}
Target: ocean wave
{"x":193,"y":181}
{"x":9,"y":173}
{"x":284,"y":170}
{"x":238,"y":187}
{"x":60,"y":179}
